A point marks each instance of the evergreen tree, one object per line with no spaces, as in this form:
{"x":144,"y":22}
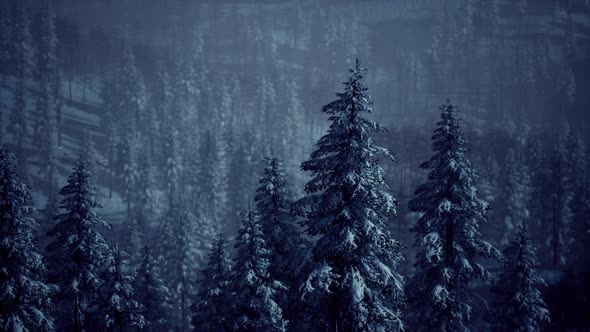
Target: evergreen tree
{"x":556,"y":182}
{"x":48,"y":100}
{"x":353,"y":282}
{"x":447,"y":233}
{"x":255,"y":291}
{"x":266,"y":96}
{"x":538,"y":197}
{"x":118,"y":309}
{"x":24,"y":296}
{"x":6,"y":36}
{"x":213,"y":301}
{"x":517,"y":194}
{"x":518,"y":298}
{"x":107,"y":96}
{"x":214,"y":184}
{"x":282,"y":238}
{"x":183,"y":249}
{"x":291,"y":131}
{"x":130,"y":91}
{"x":78,"y":249}
{"x":173,"y":160}
{"x":152,"y":293}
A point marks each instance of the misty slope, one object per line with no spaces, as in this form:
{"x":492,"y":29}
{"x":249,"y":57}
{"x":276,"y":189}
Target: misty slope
{"x":81,"y":121}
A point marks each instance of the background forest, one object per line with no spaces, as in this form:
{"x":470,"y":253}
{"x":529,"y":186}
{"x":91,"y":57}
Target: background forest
{"x":183,"y":109}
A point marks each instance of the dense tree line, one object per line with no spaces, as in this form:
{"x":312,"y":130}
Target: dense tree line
{"x":176,"y":145}
{"x":346,"y":277}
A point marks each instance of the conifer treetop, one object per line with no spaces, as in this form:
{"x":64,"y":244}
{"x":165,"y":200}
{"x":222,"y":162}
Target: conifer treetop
{"x":24,"y":297}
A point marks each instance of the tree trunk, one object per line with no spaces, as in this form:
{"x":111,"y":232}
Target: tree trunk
{"x":449,"y":238}
{"x":77,"y":315}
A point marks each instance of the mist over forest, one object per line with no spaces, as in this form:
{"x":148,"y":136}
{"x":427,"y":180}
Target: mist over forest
{"x":377,"y":165}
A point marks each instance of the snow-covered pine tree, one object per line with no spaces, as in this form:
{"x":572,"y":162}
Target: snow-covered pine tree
{"x":255,"y":291}
{"x":152,"y":293}
{"x":118,"y":309}
{"x":353,"y":283}
{"x":131,"y":94}
{"x":24,"y":297}
{"x":212,"y":305}
{"x":519,"y":305}
{"x":282,"y":238}
{"x":447,"y":233}
{"x":78,"y":250}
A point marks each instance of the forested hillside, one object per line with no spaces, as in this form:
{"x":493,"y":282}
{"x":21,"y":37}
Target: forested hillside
{"x":185,"y":147}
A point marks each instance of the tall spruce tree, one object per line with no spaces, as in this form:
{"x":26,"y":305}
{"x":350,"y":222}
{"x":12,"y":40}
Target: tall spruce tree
{"x":78,"y":250}
{"x":152,"y":293}
{"x":447,"y":233}
{"x":519,"y":304}
{"x":118,"y":309}
{"x":255,"y":291}
{"x":212,"y":305}
{"x":24,"y":297}
{"x":353,"y":282}
{"x":283,"y":239}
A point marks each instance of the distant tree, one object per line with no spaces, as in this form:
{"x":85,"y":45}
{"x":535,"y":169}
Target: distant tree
{"x":152,"y":293}
{"x":212,"y":305}
{"x":142,"y":197}
{"x":556,"y":184}
{"x":214,"y":184}
{"x":291,"y":131}
{"x":447,"y":233}
{"x":47,"y":130}
{"x":18,"y":124}
{"x":7,"y":31}
{"x":353,"y":281}
{"x":127,"y":158}
{"x":282,"y":238}
{"x":24,"y":295}
{"x":535,"y":156}
{"x":517,"y":194}
{"x":518,"y":303}
{"x":133,"y":238}
{"x":78,"y":250}
{"x":131,"y":94}
{"x":173,"y":165}
{"x":183,"y":247}
{"x":111,"y":130}
{"x":118,"y":309}
{"x":255,"y":291}
{"x":266,"y":96}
